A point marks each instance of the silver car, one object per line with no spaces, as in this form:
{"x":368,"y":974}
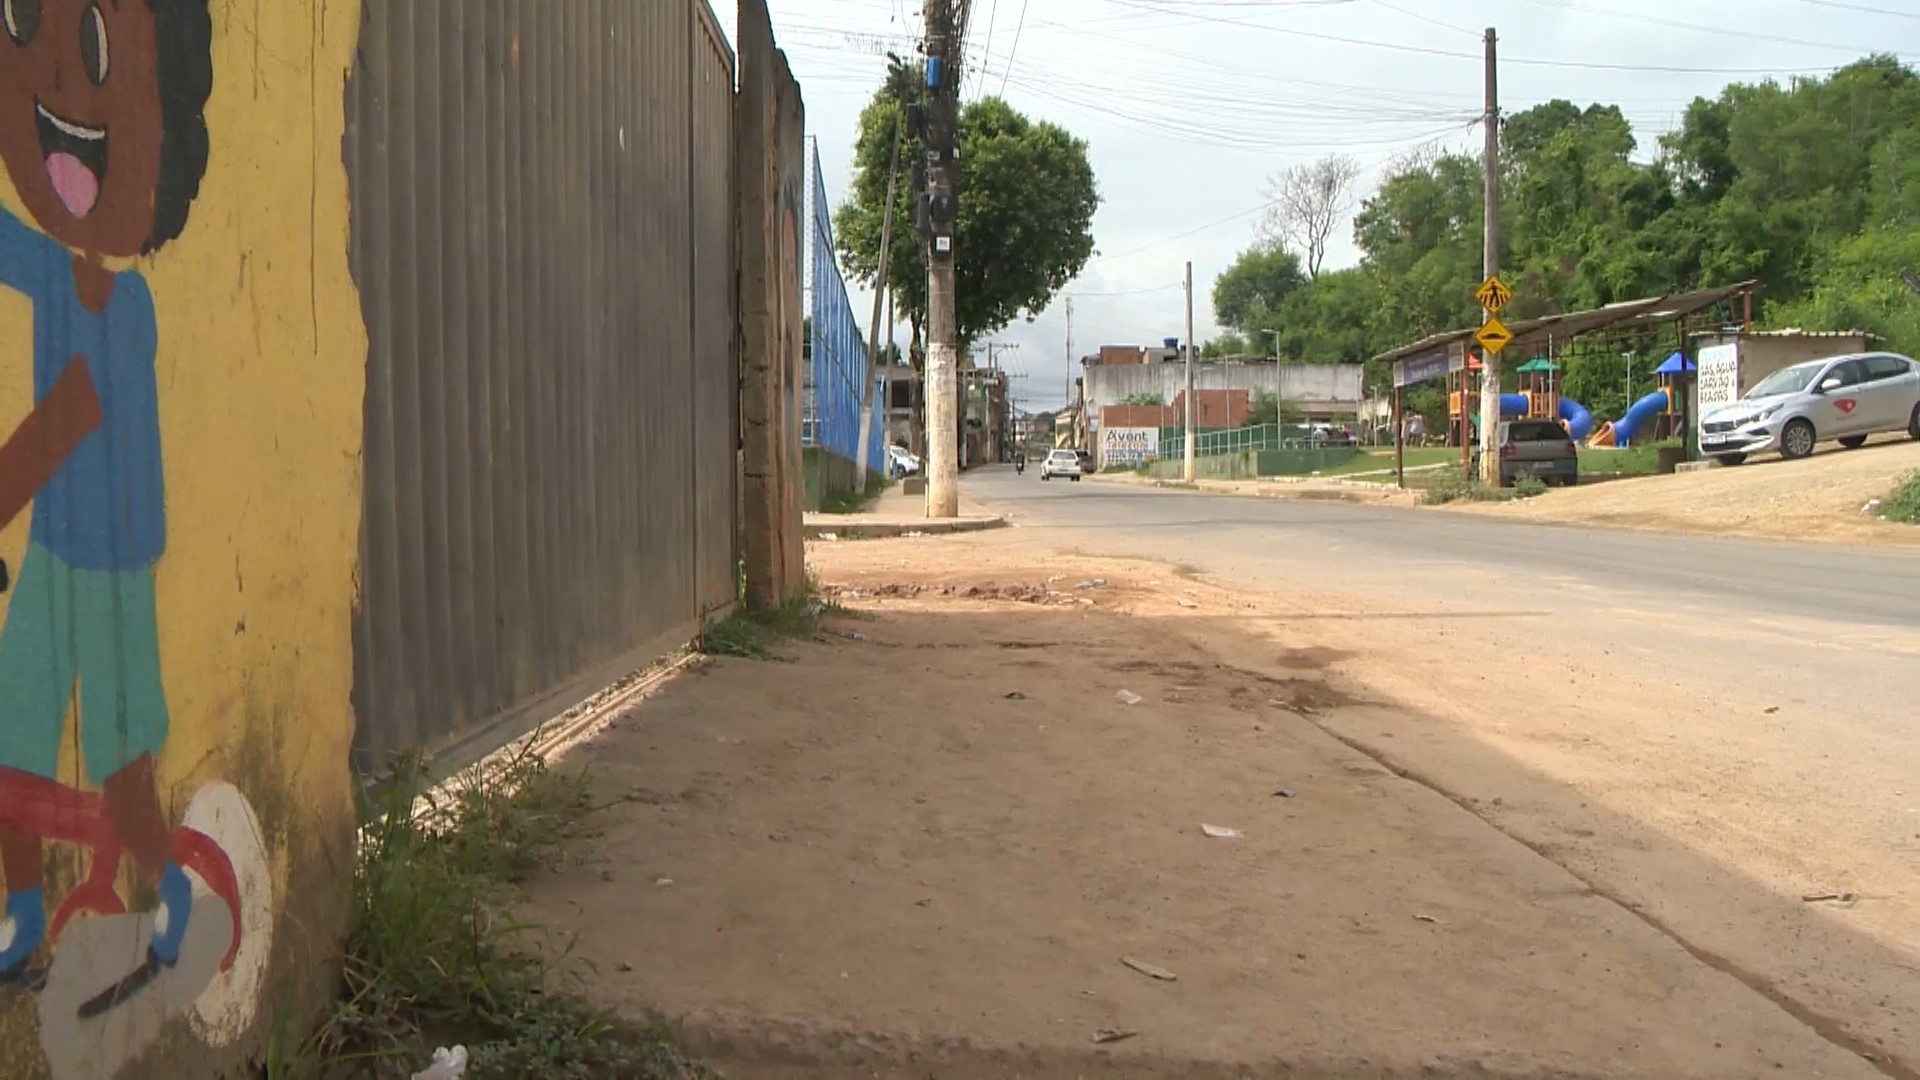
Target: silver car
{"x":1844,"y":399}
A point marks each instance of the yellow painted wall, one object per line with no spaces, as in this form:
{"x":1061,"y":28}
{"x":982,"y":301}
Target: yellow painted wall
{"x":260,"y":374}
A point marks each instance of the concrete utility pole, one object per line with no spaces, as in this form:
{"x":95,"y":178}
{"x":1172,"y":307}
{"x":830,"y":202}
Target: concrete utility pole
{"x":873,"y":335}
{"x":943,"y":47}
{"x":1192,"y":437}
{"x":1489,"y":361}
{"x":1069,"y":386}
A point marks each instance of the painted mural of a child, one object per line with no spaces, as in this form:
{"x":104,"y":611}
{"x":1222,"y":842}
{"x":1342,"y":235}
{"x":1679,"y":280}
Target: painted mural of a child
{"x":103,"y":133}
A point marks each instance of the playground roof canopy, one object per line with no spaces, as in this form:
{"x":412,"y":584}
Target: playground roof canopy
{"x":1674,"y":365}
{"x":1538,"y":363}
{"x":1648,"y":311}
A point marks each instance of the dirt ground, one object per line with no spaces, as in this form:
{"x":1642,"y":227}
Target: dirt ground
{"x":924,"y":845}
{"x":1819,"y":498}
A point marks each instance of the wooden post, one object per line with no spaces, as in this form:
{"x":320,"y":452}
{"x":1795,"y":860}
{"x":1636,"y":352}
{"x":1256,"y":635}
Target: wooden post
{"x":1399,"y":440}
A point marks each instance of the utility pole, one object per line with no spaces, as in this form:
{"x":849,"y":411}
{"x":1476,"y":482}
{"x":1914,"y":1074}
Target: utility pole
{"x":1068,"y":390}
{"x":879,"y":296}
{"x":943,"y":48}
{"x":1490,"y":360}
{"x":1192,"y":437}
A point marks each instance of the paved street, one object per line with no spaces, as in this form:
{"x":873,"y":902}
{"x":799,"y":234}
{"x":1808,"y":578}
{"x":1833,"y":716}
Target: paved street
{"x":1706,"y":730}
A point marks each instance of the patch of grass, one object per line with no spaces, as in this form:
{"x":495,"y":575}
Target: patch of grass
{"x":1526,"y":487}
{"x":435,"y":956}
{"x":751,"y":635}
{"x":851,"y":502}
{"x":1451,"y":487}
{"x":1642,"y":459}
{"x":1377,"y":460}
{"x":1902,"y":504}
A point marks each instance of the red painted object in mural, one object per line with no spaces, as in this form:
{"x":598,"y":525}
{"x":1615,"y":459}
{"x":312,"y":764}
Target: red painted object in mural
{"x":47,"y":808}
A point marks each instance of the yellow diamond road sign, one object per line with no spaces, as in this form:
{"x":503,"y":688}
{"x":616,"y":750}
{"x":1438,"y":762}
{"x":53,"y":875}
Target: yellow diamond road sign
{"x":1493,"y":336}
{"x":1493,"y":295}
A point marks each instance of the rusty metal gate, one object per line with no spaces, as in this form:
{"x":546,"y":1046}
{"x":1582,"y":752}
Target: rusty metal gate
{"x":543,"y":243}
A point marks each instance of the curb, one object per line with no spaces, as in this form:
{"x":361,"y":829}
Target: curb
{"x":884,"y":530}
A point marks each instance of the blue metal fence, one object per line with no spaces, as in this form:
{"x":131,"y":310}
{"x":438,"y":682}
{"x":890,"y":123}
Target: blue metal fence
{"x":839,"y":349}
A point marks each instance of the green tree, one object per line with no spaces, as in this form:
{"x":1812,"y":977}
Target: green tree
{"x":1027,"y":198}
{"x":1227,"y":344}
{"x":1255,"y":285}
{"x":1812,"y":187}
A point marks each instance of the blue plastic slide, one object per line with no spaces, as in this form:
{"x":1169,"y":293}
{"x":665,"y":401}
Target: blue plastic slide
{"x":1579,"y":420}
{"x":1622,"y":431}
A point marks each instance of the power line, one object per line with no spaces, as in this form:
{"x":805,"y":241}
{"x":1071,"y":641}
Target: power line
{"x":1130,"y":292}
{"x":1842,"y":5}
{"x":1015,"y":51}
{"x":1422,"y":50}
{"x":1718,"y":31}
{"x":1427,"y":19}
{"x":1209,"y":226}
{"x":993,"y":16}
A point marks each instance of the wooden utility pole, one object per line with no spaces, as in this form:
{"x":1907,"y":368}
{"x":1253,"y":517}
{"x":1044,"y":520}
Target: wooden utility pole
{"x":943,"y":48}
{"x":1193,"y":437}
{"x":1489,"y":358}
{"x":879,"y":296}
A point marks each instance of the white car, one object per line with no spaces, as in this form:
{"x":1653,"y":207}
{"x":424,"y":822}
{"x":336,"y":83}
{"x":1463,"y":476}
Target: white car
{"x":1841,"y":398}
{"x":901,"y":461}
{"x":1061,"y":463}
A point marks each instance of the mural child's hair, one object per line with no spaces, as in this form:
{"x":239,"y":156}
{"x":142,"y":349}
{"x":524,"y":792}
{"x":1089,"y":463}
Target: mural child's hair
{"x":183,"y":39}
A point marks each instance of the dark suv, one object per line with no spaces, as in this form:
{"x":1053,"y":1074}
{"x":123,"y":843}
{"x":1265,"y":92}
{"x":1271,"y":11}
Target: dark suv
{"x":1538,"y":448}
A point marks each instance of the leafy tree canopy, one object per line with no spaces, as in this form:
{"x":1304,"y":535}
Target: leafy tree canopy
{"x":1027,"y":197}
{"x":1812,"y":187}
{"x":1255,"y":285}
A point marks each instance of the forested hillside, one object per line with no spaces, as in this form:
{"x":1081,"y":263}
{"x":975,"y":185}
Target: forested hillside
{"x":1812,"y":186}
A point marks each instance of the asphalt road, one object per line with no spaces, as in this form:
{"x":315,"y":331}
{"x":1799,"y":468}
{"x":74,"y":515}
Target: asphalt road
{"x":1833,"y":630}
{"x":1706,"y":730}
{"x":1722,"y":577}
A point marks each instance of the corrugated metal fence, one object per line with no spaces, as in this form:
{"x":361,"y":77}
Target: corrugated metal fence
{"x":543,"y":243}
{"x":838,"y":346}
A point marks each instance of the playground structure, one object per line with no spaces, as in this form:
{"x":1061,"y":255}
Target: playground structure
{"x":1663,"y":413}
{"x":1538,"y":398}
{"x":1626,"y":327}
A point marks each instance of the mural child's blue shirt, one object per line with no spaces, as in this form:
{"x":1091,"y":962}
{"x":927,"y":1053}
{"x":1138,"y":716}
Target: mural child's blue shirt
{"x":104,"y":508}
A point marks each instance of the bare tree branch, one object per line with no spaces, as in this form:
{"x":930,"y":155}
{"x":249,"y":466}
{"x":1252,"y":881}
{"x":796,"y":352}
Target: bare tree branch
{"x":1308,"y":202}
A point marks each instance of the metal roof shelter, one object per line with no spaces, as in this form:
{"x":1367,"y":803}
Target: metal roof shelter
{"x":1677,"y":364}
{"x":1547,"y":329}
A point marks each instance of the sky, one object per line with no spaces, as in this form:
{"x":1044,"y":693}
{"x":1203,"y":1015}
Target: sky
{"x":1188,"y":106}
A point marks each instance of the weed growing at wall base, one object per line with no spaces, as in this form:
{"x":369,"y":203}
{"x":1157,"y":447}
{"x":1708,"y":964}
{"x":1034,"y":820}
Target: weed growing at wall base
{"x":436,"y":957}
{"x":751,"y":635}
{"x":847,"y":502}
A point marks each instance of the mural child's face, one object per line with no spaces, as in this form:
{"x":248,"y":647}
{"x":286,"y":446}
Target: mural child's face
{"x":80,"y":118}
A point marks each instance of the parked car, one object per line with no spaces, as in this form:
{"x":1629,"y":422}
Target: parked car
{"x":1085,"y":458}
{"x":1061,"y":463}
{"x":1537,"y":448}
{"x":901,"y":462}
{"x":1845,"y":399}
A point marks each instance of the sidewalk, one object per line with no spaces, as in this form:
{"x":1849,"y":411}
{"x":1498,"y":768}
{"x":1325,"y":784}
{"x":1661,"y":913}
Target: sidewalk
{"x":897,"y":514}
{"x":964,"y":835}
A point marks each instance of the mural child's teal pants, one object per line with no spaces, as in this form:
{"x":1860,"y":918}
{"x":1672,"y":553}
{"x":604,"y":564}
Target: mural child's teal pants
{"x":96,"y":628}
